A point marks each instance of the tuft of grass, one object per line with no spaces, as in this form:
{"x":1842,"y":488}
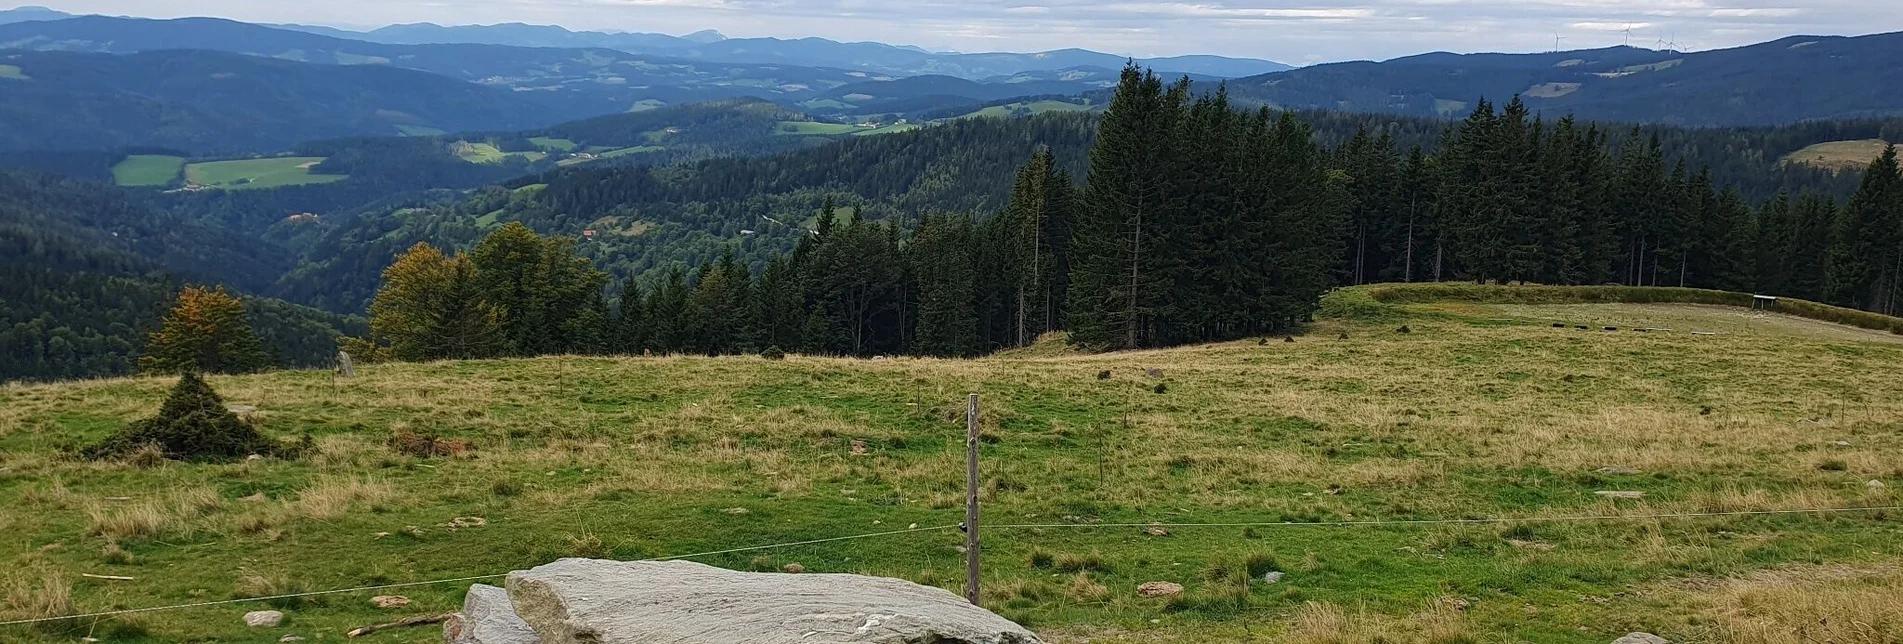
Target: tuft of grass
{"x":252,"y":584}
{"x":39,"y":593}
{"x":332,"y":497}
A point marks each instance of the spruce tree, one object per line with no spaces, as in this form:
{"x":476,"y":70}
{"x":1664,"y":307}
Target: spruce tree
{"x":1866,"y":259}
{"x":941,"y":256}
{"x":1114,"y":291}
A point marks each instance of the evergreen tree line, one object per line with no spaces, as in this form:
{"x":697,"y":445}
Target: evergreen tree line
{"x":1512,"y":197}
{"x":1199,"y":222}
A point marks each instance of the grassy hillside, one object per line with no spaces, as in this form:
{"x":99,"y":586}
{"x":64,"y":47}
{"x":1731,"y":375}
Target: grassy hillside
{"x":258,"y":173}
{"x":147,"y":170}
{"x":1481,"y":410}
{"x":1840,"y":155}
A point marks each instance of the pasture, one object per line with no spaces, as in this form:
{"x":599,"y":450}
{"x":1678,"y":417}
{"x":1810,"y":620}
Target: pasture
{"x":144,"y":170}
{"x":273,"y":172}
{"x":1839,"y":155}
{"x":1345,"y":460}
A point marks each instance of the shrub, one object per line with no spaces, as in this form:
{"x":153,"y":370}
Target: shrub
{"x":773,"y":353}
{"x":192,"y":425}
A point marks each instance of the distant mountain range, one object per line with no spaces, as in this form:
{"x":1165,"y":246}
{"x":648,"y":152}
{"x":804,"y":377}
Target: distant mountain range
{"x":23,"y":14}
{"x":206,"y":102}
{"x":712,"y":46}
{"x":572,"y":82}
{"x":1783,"y":81}
{"x":811,"y":52}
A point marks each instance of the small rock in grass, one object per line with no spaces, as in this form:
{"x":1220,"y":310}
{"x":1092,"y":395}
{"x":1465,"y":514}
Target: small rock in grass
{"x":1153,"y":373}
{"x":859,"y":447}
{"x":1159,"y":589}
{"x":255,"y":498}
{"x":1641,"y":638}
{"x":1842,"y":443}
{"x":1156,"y":531}
{"x":735,"y":510}
{"x":389,"y":601}
{"x":1620,"y":494}
{"x":1271,"y":577}
{"x":1103,"y":375}
{"x":793,"y":568}
{"x":381,"y":535}
{"x":1456,"y":603}
{"x":263,"y":618}
{"x":290,"y":638}
{"x":1539,"y":546}
{"x":466,"y":522}
{"x":1874,"y":484}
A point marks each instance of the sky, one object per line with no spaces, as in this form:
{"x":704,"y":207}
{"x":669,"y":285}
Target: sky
{"x":1292,"y":31}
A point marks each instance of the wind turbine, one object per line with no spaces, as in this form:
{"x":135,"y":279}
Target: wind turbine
{"x":1628,"y":34}
{"x":1556,"y":39}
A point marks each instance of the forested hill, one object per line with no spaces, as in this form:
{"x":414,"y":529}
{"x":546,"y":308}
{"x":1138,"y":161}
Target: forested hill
{"x":647,"y":218}
{"x":207,"y":102}
{"x":1783,"y":81}
{"x":84,"y":275}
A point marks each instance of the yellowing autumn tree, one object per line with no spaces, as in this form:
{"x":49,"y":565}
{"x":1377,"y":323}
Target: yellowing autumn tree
{"x":431,"y":308}
{"x":205,"y":332}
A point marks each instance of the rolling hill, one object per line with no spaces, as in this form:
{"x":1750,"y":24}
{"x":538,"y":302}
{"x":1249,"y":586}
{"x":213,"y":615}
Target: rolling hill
{"x":1784,"y":81}
{"x":208,"y":102}
{"x":85,"y":273}
{"x":571,"y":82}
{"x":814,"y":52}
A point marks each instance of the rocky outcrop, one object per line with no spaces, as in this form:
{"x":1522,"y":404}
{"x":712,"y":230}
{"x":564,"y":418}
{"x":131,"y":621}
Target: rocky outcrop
{"x":611,"y":602}
{"x":487,"y":617}
{"x":1641,"y":638}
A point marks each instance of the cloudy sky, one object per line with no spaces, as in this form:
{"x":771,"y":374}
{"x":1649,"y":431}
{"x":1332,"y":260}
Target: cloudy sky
{"x":1295,"y":31}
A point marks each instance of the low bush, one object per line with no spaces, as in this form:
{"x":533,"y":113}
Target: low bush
{"x":192,"y":425}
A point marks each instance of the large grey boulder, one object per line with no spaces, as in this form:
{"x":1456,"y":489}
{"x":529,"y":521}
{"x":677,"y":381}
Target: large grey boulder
{"x":572,"y":601}
{"x":1641,"y":638}
{"x":487,"y":617}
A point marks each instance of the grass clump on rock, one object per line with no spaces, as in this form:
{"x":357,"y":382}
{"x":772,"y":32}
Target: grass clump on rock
{"x":192,"y":425}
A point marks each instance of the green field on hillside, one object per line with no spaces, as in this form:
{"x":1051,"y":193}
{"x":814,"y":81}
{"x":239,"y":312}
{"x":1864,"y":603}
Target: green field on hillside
{"x":885,"y":129}
{"x":258,"y":173}
{"x":489,"y":153}
{"x":1446,"y":464}
{"x":1840,"y":155}
{"x":147,"y":170}
{"x":814,"y":128}
{"x":553,"y":144}
{"x":1027,"y":108}
{"x":622,"y":152}
{"x":13,"y":72}
{"x":419,"y":130}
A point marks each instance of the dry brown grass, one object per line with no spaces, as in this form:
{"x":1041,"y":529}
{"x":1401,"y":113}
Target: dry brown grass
{"x":1803,"y":605}
{"x":172,"y":513}
{"x":38,"y":593}
{"x":334,"y":496}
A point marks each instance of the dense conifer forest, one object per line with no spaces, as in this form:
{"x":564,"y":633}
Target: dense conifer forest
{"x":1196,"y":222}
